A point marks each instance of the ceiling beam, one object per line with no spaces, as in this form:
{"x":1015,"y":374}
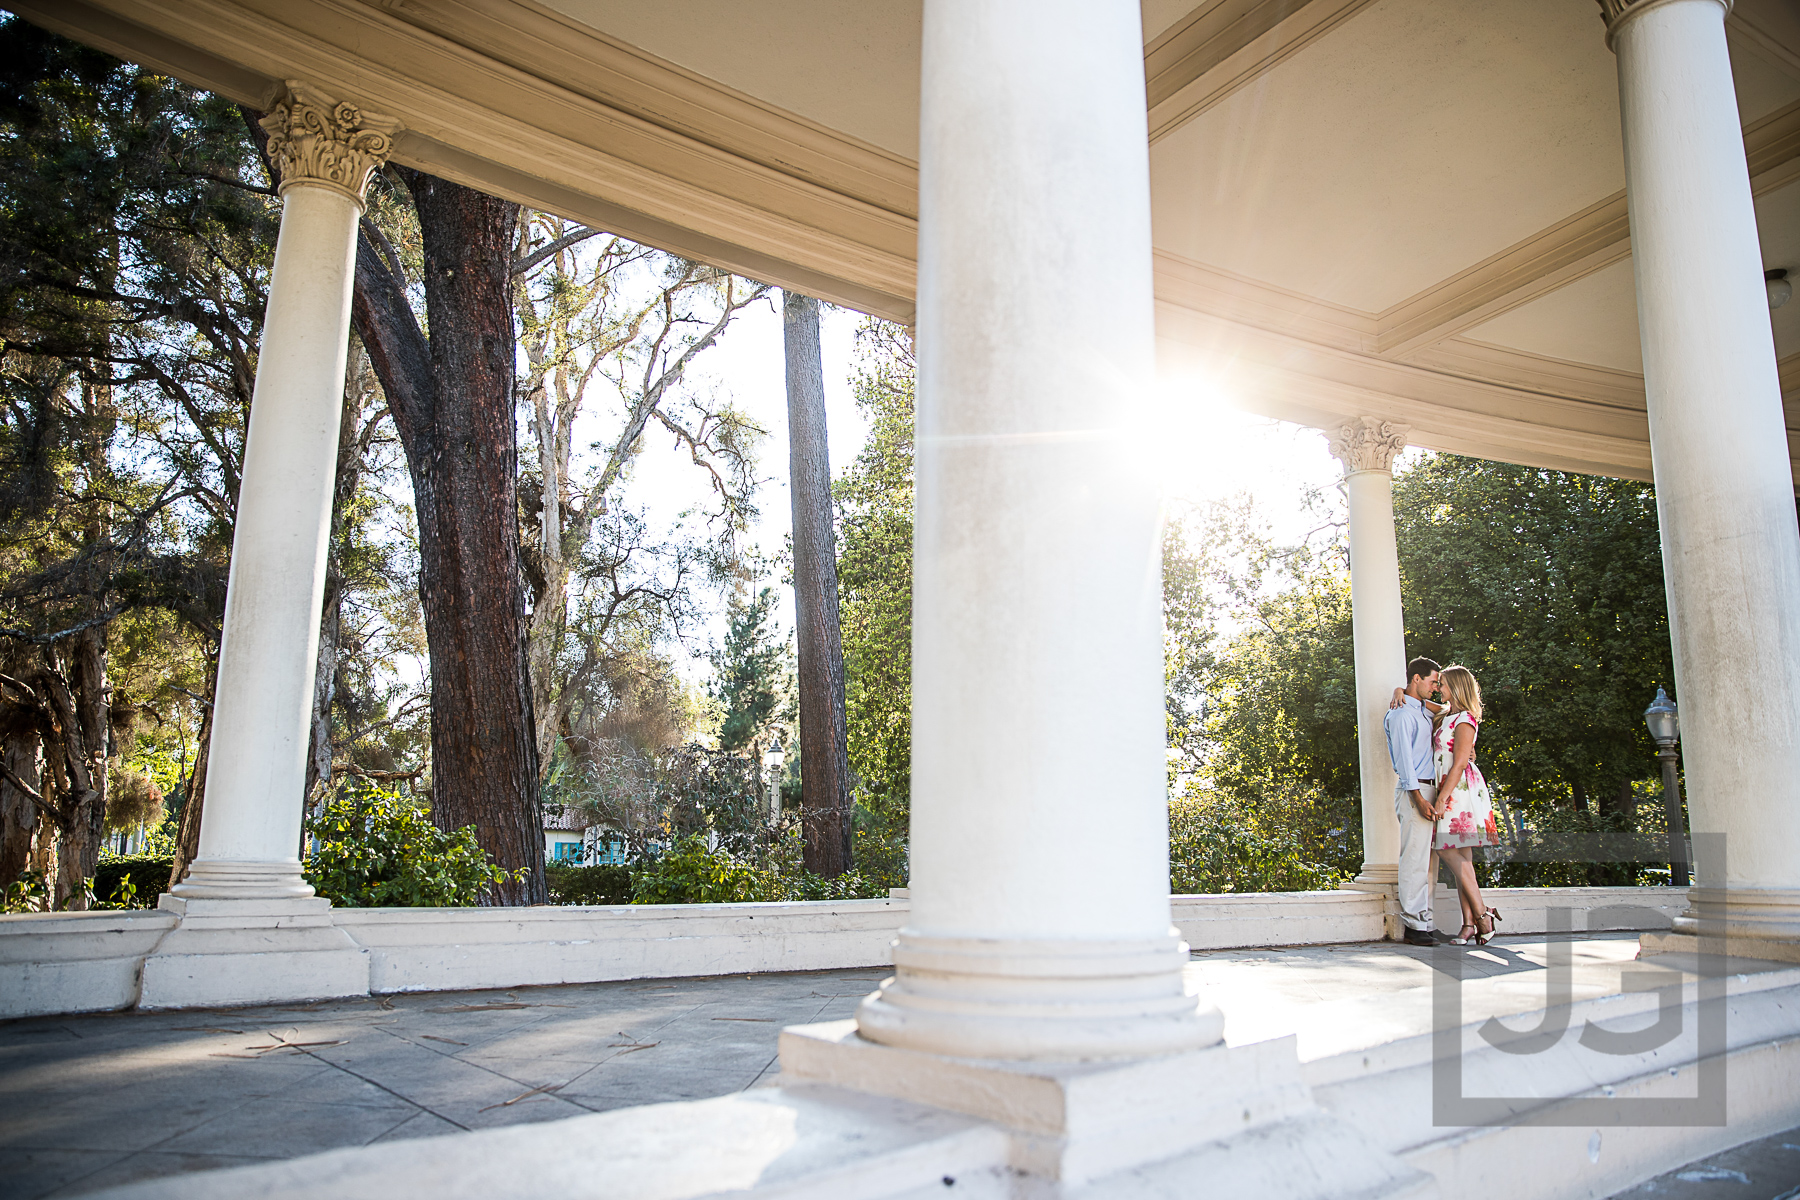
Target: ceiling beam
{"x":1226,"y":45}
{"x":1592,"y":239}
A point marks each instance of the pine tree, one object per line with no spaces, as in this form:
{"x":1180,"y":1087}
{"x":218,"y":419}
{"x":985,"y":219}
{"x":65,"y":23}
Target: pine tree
{"x":748,"y":670}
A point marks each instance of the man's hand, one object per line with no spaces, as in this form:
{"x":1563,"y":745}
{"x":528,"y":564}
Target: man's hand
{"x":1424,"y":809}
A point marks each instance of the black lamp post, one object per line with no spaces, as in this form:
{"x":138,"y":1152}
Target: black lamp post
{"x":1665,"y":726}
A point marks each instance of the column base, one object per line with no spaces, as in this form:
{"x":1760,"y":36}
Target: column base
{"x":243,"y":879}
{"x":237,"y":952}
{"x":1375,"y":877}
{"x":1742,"y":922}
{"x":1046,"y":1000}
{"x":1210,"y":1114}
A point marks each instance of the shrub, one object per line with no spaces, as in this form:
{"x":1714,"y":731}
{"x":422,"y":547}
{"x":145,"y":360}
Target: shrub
{"x":146,"y":874}
{"x":373,"y":849}
{"x":691,"y":874}
{"x":1214,"y":846}
{"x":605,"y":884}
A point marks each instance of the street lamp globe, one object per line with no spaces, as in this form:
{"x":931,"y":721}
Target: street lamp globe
{"x":1663,"y":719}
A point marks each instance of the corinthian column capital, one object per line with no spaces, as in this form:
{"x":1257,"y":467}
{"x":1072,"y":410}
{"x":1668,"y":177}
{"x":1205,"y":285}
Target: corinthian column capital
{"x":1614,"y":12}
{"x":317,"y":142}
{"x":1368,"y":444}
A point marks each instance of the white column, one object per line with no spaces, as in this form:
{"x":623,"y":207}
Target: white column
{"x":1724,"y":486}
{"x":1039,"y":924}
{"x":1366,"y":446}
{"x":256,"y":770}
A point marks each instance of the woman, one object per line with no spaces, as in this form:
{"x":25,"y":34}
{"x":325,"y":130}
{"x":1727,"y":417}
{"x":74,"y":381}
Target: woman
{"x":1465,"y":811}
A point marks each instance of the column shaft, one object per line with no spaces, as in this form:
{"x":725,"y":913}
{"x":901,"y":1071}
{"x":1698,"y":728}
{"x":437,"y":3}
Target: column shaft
{"x":256,"y":770}
{"x":1724,"y":486}
{"x":1379,"y":634}
{"x":1040,"y":915}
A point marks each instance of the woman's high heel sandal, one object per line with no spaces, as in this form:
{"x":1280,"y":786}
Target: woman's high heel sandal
{"x":1464,"y":936}
{"x":1493,"y":918}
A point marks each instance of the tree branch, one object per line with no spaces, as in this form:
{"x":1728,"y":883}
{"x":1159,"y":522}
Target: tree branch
{"x":24,"y":789}
{"x":550,"y":250}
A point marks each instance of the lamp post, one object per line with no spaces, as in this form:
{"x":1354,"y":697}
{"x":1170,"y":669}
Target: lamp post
{"x":772,"y":760}
{"x":1665,"y":726}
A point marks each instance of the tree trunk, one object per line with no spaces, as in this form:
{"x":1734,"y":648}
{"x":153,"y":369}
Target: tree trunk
{"x":824,"y":759}
{"x":21,"y":744}
{"x":187,"y":829}
{"x":549,"y":612}
{"x":18,"y":812}
{"x":79,"y":707}
{"x":452,"y":401}
{"x":343,"y":491}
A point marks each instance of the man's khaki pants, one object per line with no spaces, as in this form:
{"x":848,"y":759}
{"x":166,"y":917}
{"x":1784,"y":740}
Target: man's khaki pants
{"x":1415,"y":858}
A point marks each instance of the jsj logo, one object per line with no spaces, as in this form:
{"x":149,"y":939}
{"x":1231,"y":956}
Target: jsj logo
{"x":1588,"y":1030}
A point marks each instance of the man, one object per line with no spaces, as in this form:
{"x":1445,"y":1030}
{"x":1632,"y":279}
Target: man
{"x":1408,"y":730}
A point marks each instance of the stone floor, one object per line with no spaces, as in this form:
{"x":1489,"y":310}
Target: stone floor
{"x":90,"y":1102}
{"x":1766,"y":1169}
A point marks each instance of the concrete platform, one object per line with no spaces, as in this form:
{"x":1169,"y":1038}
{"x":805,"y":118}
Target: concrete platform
{"x":94,"y":1101}
{"x":97,"y":1101}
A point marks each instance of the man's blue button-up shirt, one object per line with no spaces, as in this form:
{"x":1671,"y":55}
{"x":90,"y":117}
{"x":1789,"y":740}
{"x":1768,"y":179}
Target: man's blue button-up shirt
{"x":1409,"y":743}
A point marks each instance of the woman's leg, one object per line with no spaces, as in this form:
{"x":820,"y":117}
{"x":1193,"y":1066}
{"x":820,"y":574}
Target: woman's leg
{"x":1462,"y":864}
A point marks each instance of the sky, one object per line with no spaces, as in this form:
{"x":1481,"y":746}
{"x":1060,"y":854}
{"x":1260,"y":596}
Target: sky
{"x":1215,"y":451}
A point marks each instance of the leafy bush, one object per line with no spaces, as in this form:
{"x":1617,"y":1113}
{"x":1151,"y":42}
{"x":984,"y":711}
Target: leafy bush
{"x":691,"y":874}
{"x":1215,"y":846}
{"x":373,"y":849}
{"x":1537,"y":836}
{"x":30,"y":892}
{"x":606,"y":884}
{"x":131,"y":880}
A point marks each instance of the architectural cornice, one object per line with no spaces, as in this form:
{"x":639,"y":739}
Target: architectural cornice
{"x":321,"y":143}
{"x":634,"y":144}
{"x":1365,"y":443}
{"x":1227,"y":45}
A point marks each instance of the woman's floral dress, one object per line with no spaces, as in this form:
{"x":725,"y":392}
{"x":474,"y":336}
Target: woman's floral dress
{"x":1469,"y":821}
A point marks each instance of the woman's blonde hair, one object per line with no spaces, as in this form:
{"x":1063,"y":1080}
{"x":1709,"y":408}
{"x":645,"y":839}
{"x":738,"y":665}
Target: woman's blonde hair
{"x":1461,"y":690}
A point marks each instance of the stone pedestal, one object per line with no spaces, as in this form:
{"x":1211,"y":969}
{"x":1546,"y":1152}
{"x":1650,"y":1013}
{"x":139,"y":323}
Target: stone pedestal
{"x":1224,"y":1115}
{"x":1741,"y":922}
{"x":237,"y":952}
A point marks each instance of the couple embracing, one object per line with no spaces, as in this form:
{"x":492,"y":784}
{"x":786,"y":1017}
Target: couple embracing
{"x":1441,"y":800}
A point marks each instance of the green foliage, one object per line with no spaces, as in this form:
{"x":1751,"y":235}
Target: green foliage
{"x":874,"y":499}
{"x":690,"y":873}
{"x":604,"y":884}
{"x":712,"y":793}
{"x":373,"y":849}
{"x":1548,"y":585}
{"x":1287,"y":688}
{"x":131,"y":880}
{"x":749,"y":670}
{"x":1219,"y":844}
{"x":30,"y":892}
